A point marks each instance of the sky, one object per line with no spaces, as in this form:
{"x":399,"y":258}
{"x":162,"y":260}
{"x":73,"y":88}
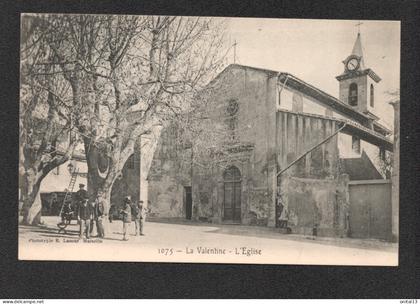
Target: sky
{"x":313,"y":50}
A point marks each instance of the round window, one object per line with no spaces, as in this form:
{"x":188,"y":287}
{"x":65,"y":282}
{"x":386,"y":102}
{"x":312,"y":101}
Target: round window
{"x":233,"y":107}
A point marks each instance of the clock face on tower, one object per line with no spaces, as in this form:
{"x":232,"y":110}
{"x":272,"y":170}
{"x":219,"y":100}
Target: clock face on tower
{"x":352,"y":64}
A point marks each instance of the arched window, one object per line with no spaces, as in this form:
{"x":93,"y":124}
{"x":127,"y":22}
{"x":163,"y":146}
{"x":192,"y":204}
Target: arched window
{"x":353,"y":94}
{"x":232,"y":174}
{"x":372,"y":95}
{"x":355,"y":144}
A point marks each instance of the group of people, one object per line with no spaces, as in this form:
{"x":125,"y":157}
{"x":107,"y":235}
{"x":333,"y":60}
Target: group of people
{"x":133,"y":211}
{"x":91,"y":213}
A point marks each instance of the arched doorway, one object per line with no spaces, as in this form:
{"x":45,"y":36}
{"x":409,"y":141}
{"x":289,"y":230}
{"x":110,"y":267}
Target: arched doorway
{"x":232,"y":194}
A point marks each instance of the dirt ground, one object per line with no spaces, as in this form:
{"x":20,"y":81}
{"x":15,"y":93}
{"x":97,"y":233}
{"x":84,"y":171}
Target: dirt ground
{"x":200,"y":243}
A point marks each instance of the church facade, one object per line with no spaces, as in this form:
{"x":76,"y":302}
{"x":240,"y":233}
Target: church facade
{"x":288,"y":156}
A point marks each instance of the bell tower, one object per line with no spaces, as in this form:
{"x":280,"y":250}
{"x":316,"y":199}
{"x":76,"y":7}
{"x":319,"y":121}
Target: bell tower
{"x":357,"y":83}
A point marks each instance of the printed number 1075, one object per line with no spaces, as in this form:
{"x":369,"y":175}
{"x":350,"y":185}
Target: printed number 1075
{"x":166,"y":251}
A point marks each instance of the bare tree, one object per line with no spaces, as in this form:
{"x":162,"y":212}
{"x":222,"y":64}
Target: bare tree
{"x":169,"y":60}
{"x":129,"y":74}
{"x":43,"y":120}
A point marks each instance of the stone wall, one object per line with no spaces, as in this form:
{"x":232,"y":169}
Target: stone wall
{"x":316,"y":207}
{"x":311,"y":190}
{"x":170,"y":171}
{"x":167,"y":198}
{"x":296,"y":134}
{"x":255,"y":93}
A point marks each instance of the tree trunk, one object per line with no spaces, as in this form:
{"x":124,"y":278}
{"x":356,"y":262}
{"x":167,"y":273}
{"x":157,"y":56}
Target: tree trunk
{"x":95,"y":183}
{"x":30,"y":183}
{"x":100,"y":188}
{"x":105,"y":198}
{"x":31,"y":208}
{"x":34,"y":212}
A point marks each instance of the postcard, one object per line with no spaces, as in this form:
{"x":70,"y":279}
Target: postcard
{"x":209,"y":140}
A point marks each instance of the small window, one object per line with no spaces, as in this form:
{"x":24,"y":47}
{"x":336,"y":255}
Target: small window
{"x":382,"y":154}
{"x":353,"y":94}
{"x":372,"y":95}
{"x":57,"y":170}
{"x":355,"y":144}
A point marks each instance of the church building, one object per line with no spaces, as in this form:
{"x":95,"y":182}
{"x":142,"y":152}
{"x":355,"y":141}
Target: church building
{"x":293,"y":154}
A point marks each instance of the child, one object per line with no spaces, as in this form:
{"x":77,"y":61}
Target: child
{"x":126,"y":217}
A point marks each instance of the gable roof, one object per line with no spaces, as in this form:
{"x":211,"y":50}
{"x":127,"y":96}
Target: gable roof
{"x":360,"y":168}
{"x":323,"y":97}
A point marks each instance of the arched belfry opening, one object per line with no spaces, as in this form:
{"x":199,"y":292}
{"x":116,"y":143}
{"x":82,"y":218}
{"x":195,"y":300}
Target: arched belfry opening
{"x":232,"y":181}
{"x":353,"y":94}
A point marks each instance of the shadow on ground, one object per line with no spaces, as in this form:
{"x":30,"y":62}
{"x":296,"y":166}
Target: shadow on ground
{"x":71,"y":232}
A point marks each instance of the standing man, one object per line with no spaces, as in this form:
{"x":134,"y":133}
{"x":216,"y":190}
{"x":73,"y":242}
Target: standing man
{"x":83,"y":210}
{"x":138,"y":212}
{"x":135,"y":212}
{"x":93,"y":217}
{"x":142,"y":213}
{"x":84,"y":214}
{"x":126,"y":217}
{"x":99,"y":215}
{"x":82,"y":194}
{"x":111,"y":213}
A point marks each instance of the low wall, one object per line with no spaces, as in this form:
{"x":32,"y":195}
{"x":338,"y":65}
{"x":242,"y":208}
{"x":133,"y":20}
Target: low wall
{"x":316,"y":206}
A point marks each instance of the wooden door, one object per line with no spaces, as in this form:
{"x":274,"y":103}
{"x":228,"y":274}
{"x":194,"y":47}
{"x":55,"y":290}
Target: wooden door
{"x":370,"y":209}
{"x":232,"y":195}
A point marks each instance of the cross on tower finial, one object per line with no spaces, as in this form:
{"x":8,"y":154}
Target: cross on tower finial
{"x":358,"y":26}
